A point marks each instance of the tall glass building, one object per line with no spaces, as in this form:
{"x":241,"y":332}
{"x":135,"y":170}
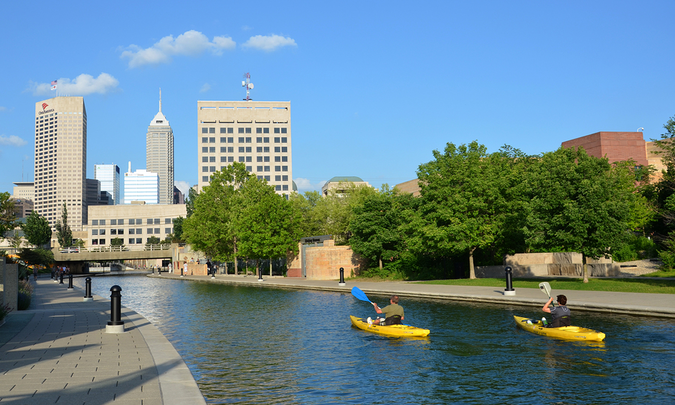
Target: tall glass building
{"x":141,"y":185}
{"x":109,"y":176}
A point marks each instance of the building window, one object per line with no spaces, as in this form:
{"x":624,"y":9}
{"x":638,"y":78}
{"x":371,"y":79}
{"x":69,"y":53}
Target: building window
{"x":283,"y":139}
{"x":248,"y":149}
{"x":258,"y":130}
{"x":284,"y":168}
{"x":156,"y":231}
{"x":277,"y":149}
{"x":242,"y":159}
{"x":223,"y":159}
{"x":277,"y":187}
{"x":230,"y":158}
{"x":149,"y":231}
{"x":249,"y":159}
{"x":276,"y":130}
{"x":284,"y":158}
{"x":120,"y":231}
{"x":132,"y":231}
{"x":156,"y":221}
{"x":241,"y":149}
{"x":205,"y":159}
{"x":248,"y":139}
{"x":258,"y":149}
{"x":94,"y":232}
{"x":267,"y":178}
{"x":277,"y":178}
{"x":132,"y":221}
{"x":284,"y":149}
{"x":258,"y":139}
{"x":205,"y":149}
{"x":284,"y":177}
{"x":205,"y":169}
{"x":223,"y":139}
{"x":149,"y":221}
{"x":258,"y":159}
{"x":259,"y":168}
{"x":120,"y":222}
{"x":230,"y":139}
{"x":212,"y":139}
{"x":167,"y":230}
{"x":94,"y":241}
{"x":241,"y":139}
{"x":139,"y":241}
{"x":285,"y":187}
{"x":205,"y":130}
{"x":101,"y":231}
{"x":213,"y":159}
{"x":277,"y":139}
{"x":212,"y":169}
{"x":277,"y":168}
{"x":283,"y":130}
{"x":205,"y":139}
{"x":101,"y":222}
{"x":240,"y":130}
{"x":249,"y":168}
{"x":277,"y":158}
{"x":212,"y":149}
{"x":266,"y":130}
{"x":212,"y":130}
{"x":248,"y":130}
{"x":167,"y":220}
{"x":230,"y":149}
{"x":139,"y":231}
{"x":205,"y":179}
{"x":94,"y":221}
{"x":113,"y":231}
{"x":266,"y":149}
{"x":131,"y":241}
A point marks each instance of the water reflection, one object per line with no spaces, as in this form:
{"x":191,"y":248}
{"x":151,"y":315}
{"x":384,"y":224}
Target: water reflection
{"x":259,"y":345}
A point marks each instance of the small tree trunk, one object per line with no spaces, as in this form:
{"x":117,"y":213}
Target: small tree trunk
{"x":380,"y":259}
{"x":270,"y":267}
{"x":472,"y":271}
{"x":585,"y":270}
{"x":236,"y":267}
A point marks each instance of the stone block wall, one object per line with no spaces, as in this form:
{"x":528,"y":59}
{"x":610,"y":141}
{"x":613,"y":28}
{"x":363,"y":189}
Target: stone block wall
{"x":550,"y":265}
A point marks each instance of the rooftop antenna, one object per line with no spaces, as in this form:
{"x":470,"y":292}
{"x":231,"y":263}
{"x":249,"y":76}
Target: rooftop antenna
{"x":160,"y":99}
{"x":247,"y":83}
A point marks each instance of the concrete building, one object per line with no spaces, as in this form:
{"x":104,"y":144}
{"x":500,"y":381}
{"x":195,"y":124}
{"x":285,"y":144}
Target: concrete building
{"x":61,"y":160}
{"x":109,"y":177}
{"x":141,"y":185}
{"x":340,"y":185}
{"x":24,"y":190}
{"x":159,"y":153}
{"x":256,"y":133}
{"x":134,"y":223}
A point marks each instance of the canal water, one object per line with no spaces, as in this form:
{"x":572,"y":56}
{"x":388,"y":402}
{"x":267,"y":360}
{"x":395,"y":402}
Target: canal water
{"x":257,"y":345}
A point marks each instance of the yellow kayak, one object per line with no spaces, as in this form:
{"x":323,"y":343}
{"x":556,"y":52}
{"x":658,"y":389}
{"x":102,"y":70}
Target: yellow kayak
{"x":391,"y":330}
{"x":564,"y":332}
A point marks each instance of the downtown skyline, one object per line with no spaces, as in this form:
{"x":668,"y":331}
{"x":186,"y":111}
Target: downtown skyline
{"x":374,"y":89}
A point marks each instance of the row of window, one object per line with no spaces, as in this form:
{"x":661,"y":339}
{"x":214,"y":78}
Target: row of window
{"x":132,"y":241}
{"x":132,"y":231}
{"x":243,"y":130}
{"x":247,"y":139}
{"x":259,"y":159}
{"x":132,"y":221}
{"x":245,"y":149}
{"x":211,"y":169}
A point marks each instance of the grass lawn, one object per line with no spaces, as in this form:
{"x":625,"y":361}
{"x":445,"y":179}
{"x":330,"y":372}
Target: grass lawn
{"x":636,"y":285}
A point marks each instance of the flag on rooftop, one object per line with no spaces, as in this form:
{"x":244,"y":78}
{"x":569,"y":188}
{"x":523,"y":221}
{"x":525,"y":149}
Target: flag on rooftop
{"x":54,"y":85}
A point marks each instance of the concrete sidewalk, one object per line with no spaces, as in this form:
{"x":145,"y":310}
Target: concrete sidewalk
{"x":59,"y":352}
{"x":659,"y":305}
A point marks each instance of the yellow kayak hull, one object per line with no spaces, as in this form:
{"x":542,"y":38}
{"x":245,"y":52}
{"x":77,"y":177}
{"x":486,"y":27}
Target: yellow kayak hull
{"x":564,"y":332}
{"x":392,"y":330}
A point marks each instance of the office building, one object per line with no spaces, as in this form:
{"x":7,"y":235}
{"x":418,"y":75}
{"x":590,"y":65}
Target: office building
{"x":109,"y":177}
{"x":24,"y":190}
{"x":134,"y":223}
{"x":141,"y":185}
{"x":159,"y":153}
{"x":61,"y":160}
{"x":93,"y":192}
{"x":256,"y":133}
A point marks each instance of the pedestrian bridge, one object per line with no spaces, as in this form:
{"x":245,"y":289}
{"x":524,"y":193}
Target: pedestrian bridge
{"x":113,"y":253}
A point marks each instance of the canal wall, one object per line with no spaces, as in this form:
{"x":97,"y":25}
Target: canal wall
{"x":324,"y":262}
{"x":551,"y":264}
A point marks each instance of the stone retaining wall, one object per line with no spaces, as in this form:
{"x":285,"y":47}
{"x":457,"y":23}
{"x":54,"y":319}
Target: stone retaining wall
{"x":551,"y":265}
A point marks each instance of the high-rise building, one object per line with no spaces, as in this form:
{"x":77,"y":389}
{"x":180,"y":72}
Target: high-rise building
{"x":24,"y":190}
{"x":159,"y":153}
{"x":256,"y":133}
{"x":109,"y":176}
{"x":141,"y":185}
{"x":61,"y":160}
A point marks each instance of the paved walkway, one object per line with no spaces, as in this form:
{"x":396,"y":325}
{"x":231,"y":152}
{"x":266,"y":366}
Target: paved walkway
{"x":659,"y":305}
{"x":58,"y":352}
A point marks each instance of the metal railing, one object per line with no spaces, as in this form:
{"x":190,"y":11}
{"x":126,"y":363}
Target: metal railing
{"x":95,"y":249}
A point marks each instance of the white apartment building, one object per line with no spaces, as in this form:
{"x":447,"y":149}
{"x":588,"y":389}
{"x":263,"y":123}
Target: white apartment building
{"x":109,"y":177}
{"x":61,"y":160}
{"x":256,"y":133}
{"x":141,"y":185}
{"x":159,"y":153}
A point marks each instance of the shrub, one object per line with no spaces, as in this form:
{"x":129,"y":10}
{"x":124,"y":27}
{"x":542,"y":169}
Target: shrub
{"x":24,"y":301}
{"x":4,"y":310}
{"x":668,"y":259}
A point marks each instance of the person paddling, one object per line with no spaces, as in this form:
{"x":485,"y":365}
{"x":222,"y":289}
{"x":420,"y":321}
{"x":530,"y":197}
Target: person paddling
{"x":560,"y":315}
{"x":393,"y":313}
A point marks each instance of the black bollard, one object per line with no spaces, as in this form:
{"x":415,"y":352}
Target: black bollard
{"x":115,"y":306}
{"x":70,"y":281}
{"x":509,"y":286}
{"x":61,"y":278}
{"x":87,"y":287}
{"x":260,"y":275}
{"x":342,"y":276}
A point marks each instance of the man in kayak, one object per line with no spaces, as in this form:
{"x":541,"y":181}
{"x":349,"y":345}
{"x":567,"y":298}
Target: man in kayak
{"x":393,"y":313}
{"x":560,"y":315}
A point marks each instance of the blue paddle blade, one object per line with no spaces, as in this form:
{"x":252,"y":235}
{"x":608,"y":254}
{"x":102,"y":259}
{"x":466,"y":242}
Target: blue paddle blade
{"x":356,"y":292}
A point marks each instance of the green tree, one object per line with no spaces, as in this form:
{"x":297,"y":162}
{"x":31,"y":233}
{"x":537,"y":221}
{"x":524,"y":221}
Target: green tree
{"x":190,"y":201}
{"x":310,"y":223}
{"x":37,"y":229}
{"x":265,"y":224}
{"x":7,"y":215}
{"x":463,"y":206}
{"x":375,"y":226}
{"x":63,"y":233}
{"x":212,"y":226}
{"x":578,"y":203}
{"x":177,"y":235}
{"x":117,"y":242}
{"x":44,"y":257}
{"x":153,"y":240}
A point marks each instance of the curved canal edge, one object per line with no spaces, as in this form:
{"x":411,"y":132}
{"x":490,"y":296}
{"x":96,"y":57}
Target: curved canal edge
{"x":655,"y":305}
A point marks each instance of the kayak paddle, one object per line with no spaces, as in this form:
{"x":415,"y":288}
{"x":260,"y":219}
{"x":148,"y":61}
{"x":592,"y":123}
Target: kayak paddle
{"x":356,"y":292}
{"x":545,"y":287}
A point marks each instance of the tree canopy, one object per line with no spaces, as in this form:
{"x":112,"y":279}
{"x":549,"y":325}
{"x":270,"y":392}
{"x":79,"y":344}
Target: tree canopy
{"x":37,"y":229}
{"x":7,"y":216}
{"x":64,"y":234}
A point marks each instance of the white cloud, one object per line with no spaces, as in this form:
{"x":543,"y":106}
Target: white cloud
{"x":306,"y":185}
{"x":183,"y":186}
{"x":269,"y":42}
{"x":3,"y":108}
{"x":11,"y":140}
{"x":206,"y":87}
{"x":82,"y":85}
{"x":191,"y":43}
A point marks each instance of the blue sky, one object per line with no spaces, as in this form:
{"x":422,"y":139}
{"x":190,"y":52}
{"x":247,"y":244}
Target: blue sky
{"x":374,"y":86}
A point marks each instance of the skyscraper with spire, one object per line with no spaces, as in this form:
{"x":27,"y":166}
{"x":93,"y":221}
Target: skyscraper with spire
{"x":159,"y":153}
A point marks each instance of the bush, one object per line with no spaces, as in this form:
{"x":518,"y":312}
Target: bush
{"x":668,"y":259}
{"x":4,"y":310}
{"x":636,"y":248}
{"x":24,"y":301}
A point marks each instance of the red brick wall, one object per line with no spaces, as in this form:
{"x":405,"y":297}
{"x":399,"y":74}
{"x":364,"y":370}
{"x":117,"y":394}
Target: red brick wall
{"x":615,"y":146}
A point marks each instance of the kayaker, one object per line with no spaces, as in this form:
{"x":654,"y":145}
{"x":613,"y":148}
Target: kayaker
{"x":560,"y":315}
{"x":393,"y":313}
